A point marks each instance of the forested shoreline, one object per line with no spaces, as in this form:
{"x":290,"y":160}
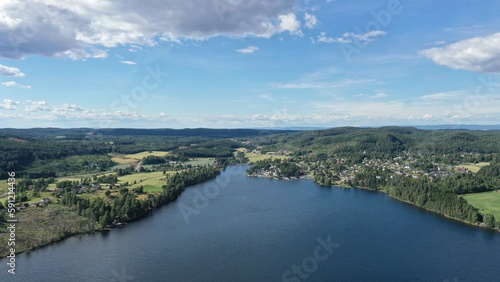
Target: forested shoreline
{"x":402,"y":162}
{"x":98,"y":214}
{"x":100,"y":180}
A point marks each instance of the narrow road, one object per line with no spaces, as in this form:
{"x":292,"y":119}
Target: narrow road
{"x":138,"y":166}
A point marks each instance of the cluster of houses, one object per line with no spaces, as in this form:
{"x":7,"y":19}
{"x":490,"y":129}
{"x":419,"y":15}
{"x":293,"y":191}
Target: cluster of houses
{"x":79,"y":189}
{"x":83,"y":188}
{"x":42,"y":202}
{"x":401,"y":166}
{"x":398,"y":166}
{"x":271,"y":153}
{"x":463,"y":169}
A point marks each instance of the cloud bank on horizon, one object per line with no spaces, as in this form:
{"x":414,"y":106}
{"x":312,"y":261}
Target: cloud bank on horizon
{"x":235,"y":63}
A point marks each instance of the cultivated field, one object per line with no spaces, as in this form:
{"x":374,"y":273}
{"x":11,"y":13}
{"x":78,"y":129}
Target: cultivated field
{"x":121,"y":160}
{"x":151,"y":181}
{"x":200,"y":161}
{"x":52,"y":186}
{"x":473,"y":167}
{"x":140,"y":156}
{"x":135,"y":158}
{"x":3,"y":187}
{"x":253,"y":157}
{"x":487,"y":202}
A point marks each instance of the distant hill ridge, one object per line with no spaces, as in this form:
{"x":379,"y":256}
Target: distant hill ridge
{"x":80,"y":133}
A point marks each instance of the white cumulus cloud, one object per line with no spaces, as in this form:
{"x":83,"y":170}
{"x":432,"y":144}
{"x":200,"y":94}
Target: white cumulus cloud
{"x":248,"y":50}
{"x":38,"y":106}
{"x":9,"y":104}
{"x":311,"y":20}
{"x":10,"y":71}
{"x":479,"y":54}
{"x":290,"y":23}
{"x":128,"y":63}
{"x":15,"y":84}
{"x":350,"y":37}
{"x":82,"y":29}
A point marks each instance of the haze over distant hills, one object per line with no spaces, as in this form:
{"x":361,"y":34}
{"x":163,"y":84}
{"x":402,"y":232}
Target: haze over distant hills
{"x":425,"y":127}
{"x":219,"y":132}
{"x":461,"y":126}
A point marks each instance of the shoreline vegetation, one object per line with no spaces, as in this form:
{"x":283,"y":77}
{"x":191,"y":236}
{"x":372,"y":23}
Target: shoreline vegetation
{"x":92,"y":181}
{"x":72,"y":218}
{"x":286,"y":170}
{"x":341,"y":185}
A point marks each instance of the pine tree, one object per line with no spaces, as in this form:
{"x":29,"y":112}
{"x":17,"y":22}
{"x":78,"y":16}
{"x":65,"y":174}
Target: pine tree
{"x":489,"y":221}
{"x":104,"y":220}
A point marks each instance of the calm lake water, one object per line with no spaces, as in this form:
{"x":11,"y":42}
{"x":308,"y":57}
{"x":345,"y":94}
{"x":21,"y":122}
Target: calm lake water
{"x":237,"y":228}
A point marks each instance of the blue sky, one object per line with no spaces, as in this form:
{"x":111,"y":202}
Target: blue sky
{"x":234,"y":63}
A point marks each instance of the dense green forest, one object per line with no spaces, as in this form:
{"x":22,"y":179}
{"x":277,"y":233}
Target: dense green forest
{"x":36,"y":153}
{"x":278,"y":168}
{"x":384,"y":142}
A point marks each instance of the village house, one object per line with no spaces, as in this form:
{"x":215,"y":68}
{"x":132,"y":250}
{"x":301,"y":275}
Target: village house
{"x":46,"y":201}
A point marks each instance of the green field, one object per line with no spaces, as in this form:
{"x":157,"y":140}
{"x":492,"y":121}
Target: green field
{"x":253,"y":157}
{"x":70,"y":178}
{"x":152,"y":189}
{"x":259,"y":157}
{"x":473,"y":167}
{"x":140,"y":156}
{"x":122,"y":166}
{"x":487,"y":202}
{"x":52,"y":186}
{"x":121,"y":160}
{"x":135,"y":158}
{"x":151,"y":181}
{"x":200,"y":161}
{"x":3,"y":187}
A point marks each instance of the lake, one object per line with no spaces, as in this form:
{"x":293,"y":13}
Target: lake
{"x":238,"y":228}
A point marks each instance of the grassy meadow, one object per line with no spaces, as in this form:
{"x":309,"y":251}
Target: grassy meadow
{"x":151,"y":181}
{"x":121,"y":160}
{"x":4,"y":186}
{"x":486,"y":202}
{"x":135,"y":158}
{"x":473,"y":167}
{"x":140,"y":156}
{"x":253,"y":157}
{"x":200,"y":161}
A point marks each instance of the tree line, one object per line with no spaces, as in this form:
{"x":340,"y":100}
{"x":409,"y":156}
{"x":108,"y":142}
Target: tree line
{"x":127,"y":207}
